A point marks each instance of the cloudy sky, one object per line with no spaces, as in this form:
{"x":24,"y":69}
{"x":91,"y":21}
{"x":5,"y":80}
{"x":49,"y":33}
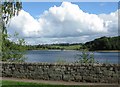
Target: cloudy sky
{"x":65,"y":22}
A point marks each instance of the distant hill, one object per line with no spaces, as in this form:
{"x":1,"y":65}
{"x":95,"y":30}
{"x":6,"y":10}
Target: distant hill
{"x":104,"y":43}
{"x":60,"y":46}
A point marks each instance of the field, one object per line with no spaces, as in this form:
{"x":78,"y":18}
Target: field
{"x":72,"y":47}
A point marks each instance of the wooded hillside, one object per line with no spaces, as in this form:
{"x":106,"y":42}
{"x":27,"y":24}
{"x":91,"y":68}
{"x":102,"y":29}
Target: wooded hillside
{"x":104,"y":43}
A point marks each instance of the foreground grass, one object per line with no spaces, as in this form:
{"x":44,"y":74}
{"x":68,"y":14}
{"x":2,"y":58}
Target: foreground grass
{"x":6,"y":83}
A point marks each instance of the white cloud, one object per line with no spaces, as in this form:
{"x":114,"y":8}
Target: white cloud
{"x":24,"y":24}
{"x":64,"y":24}
{"x":111,"y":21}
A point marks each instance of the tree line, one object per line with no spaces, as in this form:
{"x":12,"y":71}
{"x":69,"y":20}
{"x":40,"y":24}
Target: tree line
{"x":104,"y":43}
{"x":58,"y":46}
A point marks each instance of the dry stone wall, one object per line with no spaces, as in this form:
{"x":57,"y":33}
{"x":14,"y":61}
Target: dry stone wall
{"x":98,"y":73}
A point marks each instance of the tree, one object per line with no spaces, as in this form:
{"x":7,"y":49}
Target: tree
{"x":86,"y":58}
{"x":10,"y":51}
{"x":9,"y":9}
{"x":104,"y":43}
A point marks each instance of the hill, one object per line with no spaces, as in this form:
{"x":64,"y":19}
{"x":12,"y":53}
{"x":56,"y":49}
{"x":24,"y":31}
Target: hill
{"x":104,"y":43}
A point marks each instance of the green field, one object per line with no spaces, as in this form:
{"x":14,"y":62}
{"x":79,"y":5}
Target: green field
{"x":72,"y":47}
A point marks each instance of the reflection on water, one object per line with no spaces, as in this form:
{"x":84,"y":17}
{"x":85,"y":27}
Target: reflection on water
{"x":52,"y":56}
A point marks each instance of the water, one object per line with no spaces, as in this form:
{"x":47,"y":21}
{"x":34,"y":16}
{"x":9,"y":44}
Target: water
{"x":52,"y":56}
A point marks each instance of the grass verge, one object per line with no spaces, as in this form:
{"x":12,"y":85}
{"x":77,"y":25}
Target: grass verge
{"x":6,"y":83}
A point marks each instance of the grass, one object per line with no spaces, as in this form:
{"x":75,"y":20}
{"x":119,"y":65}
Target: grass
{"x":72,"y":47}
{"x":6,"y":83}
{"x":58,"y":47}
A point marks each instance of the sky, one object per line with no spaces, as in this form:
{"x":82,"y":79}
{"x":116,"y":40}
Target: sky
{"x":65,"y":22}
{"x":90,"y":7}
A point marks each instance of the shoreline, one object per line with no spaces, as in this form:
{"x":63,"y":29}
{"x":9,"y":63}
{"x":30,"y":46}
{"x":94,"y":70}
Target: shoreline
{"x":107,"y":51}
{"x":76,"y":50}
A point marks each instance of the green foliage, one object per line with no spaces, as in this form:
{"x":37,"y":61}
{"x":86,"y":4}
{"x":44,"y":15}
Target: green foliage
{"x":86,"y":57}
{"x":11,"y":7}
{"x":11,"y":51}
{"x":64,"y":46}
{"x":104,"y":43}
{"x":61,"y":61}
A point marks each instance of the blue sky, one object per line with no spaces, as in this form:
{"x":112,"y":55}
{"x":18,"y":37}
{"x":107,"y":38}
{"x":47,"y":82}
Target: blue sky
{"x":76,"y":22}
{"x":37,"y":8}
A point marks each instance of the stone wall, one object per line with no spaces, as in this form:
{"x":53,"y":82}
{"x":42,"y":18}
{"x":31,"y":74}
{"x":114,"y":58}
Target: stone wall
{"x":101,"y":73}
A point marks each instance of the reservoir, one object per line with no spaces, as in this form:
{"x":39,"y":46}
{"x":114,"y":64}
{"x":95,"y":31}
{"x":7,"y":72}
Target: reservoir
{"x":52,"y":56}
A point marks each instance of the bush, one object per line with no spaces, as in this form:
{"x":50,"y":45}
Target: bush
{"x":86,"y":57}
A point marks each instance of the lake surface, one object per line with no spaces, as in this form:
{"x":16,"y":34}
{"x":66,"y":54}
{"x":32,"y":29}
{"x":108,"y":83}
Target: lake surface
{"x":52,"y":56}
